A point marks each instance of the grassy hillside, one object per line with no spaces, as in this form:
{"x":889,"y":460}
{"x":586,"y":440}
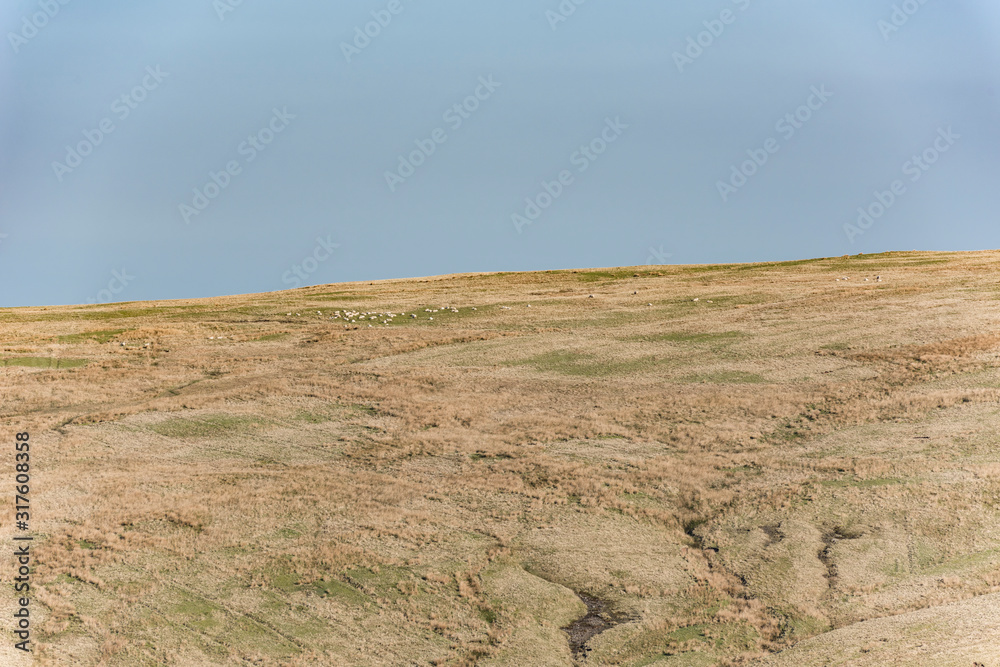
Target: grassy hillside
{"x":693,"y":465}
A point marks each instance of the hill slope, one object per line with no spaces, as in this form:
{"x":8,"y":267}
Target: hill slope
{"x":723,"y":460}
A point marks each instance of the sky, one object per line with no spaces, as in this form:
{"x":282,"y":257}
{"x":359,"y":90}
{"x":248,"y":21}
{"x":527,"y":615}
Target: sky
{"x":195,"y":148}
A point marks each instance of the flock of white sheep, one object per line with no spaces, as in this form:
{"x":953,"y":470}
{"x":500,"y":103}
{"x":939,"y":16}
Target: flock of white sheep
{"x":386,"y":318}
{"x":878,"y":279}
{"x":382,"y":318}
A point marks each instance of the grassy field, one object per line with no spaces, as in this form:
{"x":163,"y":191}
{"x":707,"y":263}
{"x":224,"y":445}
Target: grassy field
{"x":677,"y":466}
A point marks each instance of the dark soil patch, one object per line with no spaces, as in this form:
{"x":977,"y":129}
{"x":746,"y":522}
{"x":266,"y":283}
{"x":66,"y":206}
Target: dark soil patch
{"x":774,"y":534}
{"x":598,"y":619}
{"x":829,"y":539}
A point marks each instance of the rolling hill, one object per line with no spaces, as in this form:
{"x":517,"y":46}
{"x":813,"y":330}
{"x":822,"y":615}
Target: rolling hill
{"x":772,"y":464}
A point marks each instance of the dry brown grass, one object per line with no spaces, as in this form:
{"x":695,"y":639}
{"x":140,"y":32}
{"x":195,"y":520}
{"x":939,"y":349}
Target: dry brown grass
{"x":786,"y":456}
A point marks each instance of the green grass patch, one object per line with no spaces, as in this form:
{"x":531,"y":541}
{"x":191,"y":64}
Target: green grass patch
{"x":287,"y":581}
{"x":725,"y":377}
{"x":363,"y":409}
{"x":862,"y":483}
{"x":43,"y":362}
{"x":751,"y":266}
{"x":209,"y":426}
{"x":924,"y":262}
{"x":341,"y":296}
{"x":287,"y":533}
{"x":709,"y":268}
{"x":580,"y":364}
{"x":597,"y":276}
{"x":258,"y":311}
{"x":572,"y":363}
{"x":309,"y":417}
{"x":966,"y":561}
{"x":268,"y":338}
{"x":130,"y":313}
{"x":640,"y":499}
{"x":881,"y":261}
{"x":691,"y":337}
{"x":803,"y":627}
{"x":339,"y":590}
{"x":925,"y":556}
{"x":104,"y":336}
{"x":197,"y":612}
{"x":101,"y":312}
{"x":175,"y":391}
{"x":688,"y":633}
{"x":726,"y":300}
{"x":383,"y":583}
{"x":799,"y":262}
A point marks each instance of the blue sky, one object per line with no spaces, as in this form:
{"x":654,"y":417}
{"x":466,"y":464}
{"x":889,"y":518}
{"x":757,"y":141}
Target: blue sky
{"x":653,"y":149}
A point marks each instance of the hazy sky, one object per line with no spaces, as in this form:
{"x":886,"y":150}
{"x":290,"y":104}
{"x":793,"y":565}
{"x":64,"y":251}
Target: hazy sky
{"x":268,"y":145}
